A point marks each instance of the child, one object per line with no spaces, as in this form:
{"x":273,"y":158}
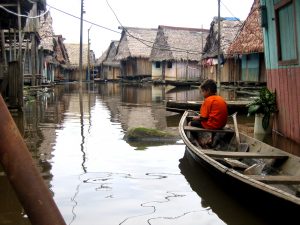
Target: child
{"x":213,"y":112}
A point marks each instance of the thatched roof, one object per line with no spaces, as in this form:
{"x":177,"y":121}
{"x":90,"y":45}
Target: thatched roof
{"x":73,"y":53}
{"x":178,"y":43}
{"x":229,"y":30}
{"x":110,"y":57}
{"x":250,"y":37}
{"x":136,"y":43}
{"x":46,"y":32}
{"x":60,"y":50}
{"x":102,"y":57}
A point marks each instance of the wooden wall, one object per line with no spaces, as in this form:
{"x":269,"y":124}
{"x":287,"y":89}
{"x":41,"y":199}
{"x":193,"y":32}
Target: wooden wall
{"x":136,"y":67}
{"x":230,"y":71}
{"x":286,"y":83}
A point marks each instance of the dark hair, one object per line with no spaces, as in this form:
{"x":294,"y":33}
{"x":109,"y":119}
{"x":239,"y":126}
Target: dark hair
{"x":209,"y":85}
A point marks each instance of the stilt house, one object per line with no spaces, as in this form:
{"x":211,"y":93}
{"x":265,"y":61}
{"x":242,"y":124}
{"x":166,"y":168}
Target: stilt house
{"x":73,"y":54}
{"x":134,"y":52}
{"x":229,"y":69}
{"x":248,"y":49}
{"x":111,"y":66}
{"x":177,"y":52}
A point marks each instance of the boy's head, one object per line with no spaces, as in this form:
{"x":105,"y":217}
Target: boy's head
{"x":209,"y":87}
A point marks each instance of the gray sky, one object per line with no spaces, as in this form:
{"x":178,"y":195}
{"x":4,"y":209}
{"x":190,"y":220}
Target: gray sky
{"x":136,"y":13}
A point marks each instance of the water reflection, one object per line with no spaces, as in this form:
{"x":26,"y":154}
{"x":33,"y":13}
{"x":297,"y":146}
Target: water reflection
{"x":230,"y":210}
{"x":76,"y":139}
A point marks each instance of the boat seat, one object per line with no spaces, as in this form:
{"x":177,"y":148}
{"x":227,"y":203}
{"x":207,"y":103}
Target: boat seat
{"x":230,"y":154}
{"x":279,"y":179}
{"x":191,"y":128}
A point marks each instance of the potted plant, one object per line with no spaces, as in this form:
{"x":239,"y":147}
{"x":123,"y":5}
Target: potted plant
{"x":263,"y":108}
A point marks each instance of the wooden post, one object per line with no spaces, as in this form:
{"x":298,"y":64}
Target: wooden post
{"x":13,"y":81}
{"x":3,"y":47}
{"x":219,"y":48}
{"x":23,"y":175}
{"x":21,"y":78}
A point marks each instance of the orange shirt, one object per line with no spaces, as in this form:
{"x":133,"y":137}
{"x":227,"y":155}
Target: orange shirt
{"x":214,"y":108}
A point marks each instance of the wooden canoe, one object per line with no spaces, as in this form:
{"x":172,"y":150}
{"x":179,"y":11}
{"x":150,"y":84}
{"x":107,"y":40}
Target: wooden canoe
{"x":266,"y":170}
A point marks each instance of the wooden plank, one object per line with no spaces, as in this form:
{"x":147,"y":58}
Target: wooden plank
{"x":228,"y":154}
{"x":236,"y":163}
{"x":280,"y":179}
{"x":191,"y":128}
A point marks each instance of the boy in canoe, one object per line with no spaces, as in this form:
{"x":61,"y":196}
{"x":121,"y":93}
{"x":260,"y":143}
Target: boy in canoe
{"x":213,"y":112}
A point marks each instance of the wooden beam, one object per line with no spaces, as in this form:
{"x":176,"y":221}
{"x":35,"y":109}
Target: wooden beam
{"x":229,"y":154}
{"x":280,"y":179}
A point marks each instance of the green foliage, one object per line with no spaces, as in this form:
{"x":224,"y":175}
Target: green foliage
{"x":264,"y":104}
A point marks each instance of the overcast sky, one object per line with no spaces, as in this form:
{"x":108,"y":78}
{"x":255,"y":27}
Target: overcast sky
{"x":136,"y":13}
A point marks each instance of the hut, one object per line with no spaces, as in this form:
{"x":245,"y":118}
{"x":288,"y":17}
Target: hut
{"x":111,"y":66}
{"x":99,"y":65}
{"x":248,"y":48}
{"x":134,"y":51}
{"x":281,"y":24}
{"x":176,"y":53}
{"x":62,"y":62}
{"x":229,"y":69}
{"x":73,"y":54}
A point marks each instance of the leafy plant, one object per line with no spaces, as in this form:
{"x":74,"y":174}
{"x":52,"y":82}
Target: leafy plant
{"x":264,"y":104}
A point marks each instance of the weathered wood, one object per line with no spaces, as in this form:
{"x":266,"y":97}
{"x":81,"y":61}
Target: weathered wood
{"x":280,"y":179}
{"x":191,"y":128}
{"x":235,"y":163}
{"x":228,"y":154}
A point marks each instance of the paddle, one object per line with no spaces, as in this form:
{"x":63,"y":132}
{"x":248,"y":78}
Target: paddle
{"x":242,"y":147}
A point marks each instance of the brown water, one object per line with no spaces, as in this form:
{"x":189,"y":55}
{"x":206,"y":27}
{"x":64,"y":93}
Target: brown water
{"x":97,"y":178}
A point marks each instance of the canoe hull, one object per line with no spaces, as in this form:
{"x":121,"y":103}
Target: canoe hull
{"x":253,"y":190}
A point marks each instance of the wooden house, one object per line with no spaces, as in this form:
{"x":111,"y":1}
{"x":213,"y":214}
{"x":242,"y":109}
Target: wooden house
{"x":134,"y":52}
{"x":229,"y":70}
{"x":176,"y":53}
{"x":281,"y":23}
{"x":248,"y":48}
{"x":110,"y":66}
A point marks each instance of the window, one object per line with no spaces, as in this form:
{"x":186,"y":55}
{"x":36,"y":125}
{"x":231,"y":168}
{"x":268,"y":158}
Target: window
{"x":169,"y":65}
{"x":286,"y":32}
{"x":157,"y":64}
